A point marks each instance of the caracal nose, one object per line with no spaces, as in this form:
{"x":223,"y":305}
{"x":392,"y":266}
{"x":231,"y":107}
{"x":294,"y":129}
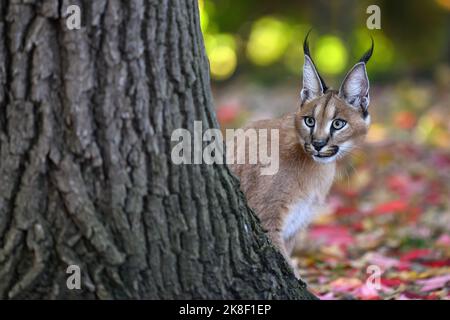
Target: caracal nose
{"x":319,"y":144}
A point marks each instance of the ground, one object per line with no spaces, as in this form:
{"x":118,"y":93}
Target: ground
{"x":385,"y":231}
{"x":394,"y":215}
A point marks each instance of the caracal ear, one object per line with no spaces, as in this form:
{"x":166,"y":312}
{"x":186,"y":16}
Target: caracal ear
{"x":312,"y":86}
{"x":355,"y":87}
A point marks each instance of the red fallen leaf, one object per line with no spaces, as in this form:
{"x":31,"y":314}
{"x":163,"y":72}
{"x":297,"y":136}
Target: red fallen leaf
{"x":345,"y":211}
{"x":332,"y":235}
{"x":358,"y":226}
{"x":412,"y":295}
{"x":415,"y":254}
{"x":436,"y":263}
{"x":403,"y":266}
{"x":433,"y":296}
{"x":406,"y":186}
{"x":392,"y":282}
{"x":391,"y":207}
{"x":227,"y":113}
{"x":399,"y":182}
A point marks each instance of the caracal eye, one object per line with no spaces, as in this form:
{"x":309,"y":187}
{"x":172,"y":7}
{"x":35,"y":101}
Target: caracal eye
{"x":339,"y":124}
{"x":310,"y":122}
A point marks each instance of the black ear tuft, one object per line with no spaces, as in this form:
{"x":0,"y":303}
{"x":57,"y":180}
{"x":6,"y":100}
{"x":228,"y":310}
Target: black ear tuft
{"x":368,"y":54}
{"x":306,"y":45}
{"x":306,"y":52}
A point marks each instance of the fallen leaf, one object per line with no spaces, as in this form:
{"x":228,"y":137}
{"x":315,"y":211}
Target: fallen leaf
{"x":380,"y":260}
{"x":393,"y":282}
{"x":434,"y":283}
{"x":366,"y":292}
{"x":443,"y":240}
{"x":345,"y":284}
{"x":415,"y":254}
{"x":327,"y":296}
{"x":332,"y":235}
{"x":391,"y":207}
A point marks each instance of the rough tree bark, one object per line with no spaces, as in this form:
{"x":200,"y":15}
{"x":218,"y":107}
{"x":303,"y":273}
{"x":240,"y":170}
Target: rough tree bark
{"x":86,"y":176}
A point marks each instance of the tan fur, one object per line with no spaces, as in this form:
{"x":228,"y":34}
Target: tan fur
{"x":299,"y":176}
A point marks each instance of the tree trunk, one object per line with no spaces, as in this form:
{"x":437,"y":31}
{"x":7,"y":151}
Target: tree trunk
{"x":86,"y":175}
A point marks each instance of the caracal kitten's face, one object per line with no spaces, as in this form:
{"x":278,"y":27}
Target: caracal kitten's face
{"x":329,"y":128}
{"x":330,"y":123}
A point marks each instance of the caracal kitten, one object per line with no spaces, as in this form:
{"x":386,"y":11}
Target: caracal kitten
{"x":325,"y":127}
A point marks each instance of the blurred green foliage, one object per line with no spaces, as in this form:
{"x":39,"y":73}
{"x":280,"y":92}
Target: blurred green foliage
{"x":262,"y":38}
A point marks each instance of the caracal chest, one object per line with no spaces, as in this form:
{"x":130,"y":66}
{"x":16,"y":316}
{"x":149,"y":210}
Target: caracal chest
{"x":304,"y":207}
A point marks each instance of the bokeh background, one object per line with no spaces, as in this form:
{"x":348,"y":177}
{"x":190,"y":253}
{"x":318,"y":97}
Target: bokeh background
{"x":390,"y":206}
